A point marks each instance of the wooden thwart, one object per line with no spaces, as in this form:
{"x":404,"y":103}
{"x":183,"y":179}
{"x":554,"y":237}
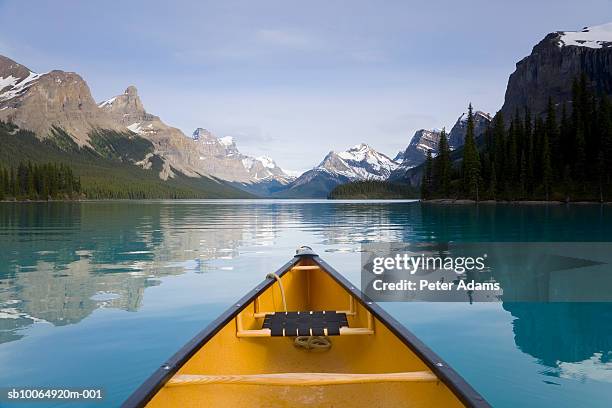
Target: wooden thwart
{"x":306,"y":267}
{"x":301,"y":379}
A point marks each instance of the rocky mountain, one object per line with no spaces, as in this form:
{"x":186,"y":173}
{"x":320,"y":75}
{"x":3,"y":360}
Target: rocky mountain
{"x":423,"y":141}
{"x":456,"y":137}
{"x":39,"y":102}
{"x":427,"y":140}
{"x":554,"y":63}
{"x":248,"y":169}
{"x":58,"y":106}
{"x":549,"y":70}
{"x":202,"y":154}
{"x":360,"y":162}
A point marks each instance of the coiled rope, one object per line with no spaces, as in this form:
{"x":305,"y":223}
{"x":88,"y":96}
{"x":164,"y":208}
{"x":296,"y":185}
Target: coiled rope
{"x":312,"y":342}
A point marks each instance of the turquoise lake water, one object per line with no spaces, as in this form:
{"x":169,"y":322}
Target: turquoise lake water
{"x":100,"y":294}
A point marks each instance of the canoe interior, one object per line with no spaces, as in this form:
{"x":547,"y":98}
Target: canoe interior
{"x":305,"y":290}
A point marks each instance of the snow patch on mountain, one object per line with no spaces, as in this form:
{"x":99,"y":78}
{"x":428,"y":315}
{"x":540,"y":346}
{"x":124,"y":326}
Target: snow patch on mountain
{"x":12,"y":86}
{"x":135,"y":127}
{"x":592,"y":37}
{"x":107,"y":102}
{"x":422,"y":141}
{"x":267,"y":162}
{"x":226,"y":141}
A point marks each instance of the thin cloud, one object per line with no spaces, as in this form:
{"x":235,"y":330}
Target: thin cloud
{"x":283,"y":38}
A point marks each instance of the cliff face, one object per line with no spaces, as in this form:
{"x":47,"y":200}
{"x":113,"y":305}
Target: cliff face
{"x":58,"y":99}
{"x":199,"y":155}
{"x":38,"y":102}
{"x":554,"y":63}
{"x":170,"y":143}
{"x":423,"y":141}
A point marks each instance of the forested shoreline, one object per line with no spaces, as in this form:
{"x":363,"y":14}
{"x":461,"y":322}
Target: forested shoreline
{"x":372,"y":189}
{"x":110,"y":176}
{"x":553,"y":157}
{"x":48,"y":181}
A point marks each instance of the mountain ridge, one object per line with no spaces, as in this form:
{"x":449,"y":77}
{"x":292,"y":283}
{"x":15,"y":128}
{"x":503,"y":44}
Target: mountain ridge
{"x":59,"y":101}
{"x":360,"y":162}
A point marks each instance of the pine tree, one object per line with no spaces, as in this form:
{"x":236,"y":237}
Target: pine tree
{"x":523,"y":176}
{"x":7,"y":182}
{"x":426,"y":183}
{"x":553,"y":133}
{"x":499,"y":147}
{"x":605,"y":130}
{"x":567,"y":182}
{"x":30,"y":191}
{"x":529,"y":181}
{"x":14,"y":183}
{"x":493,"y":182}
{"x":471,"y":159}
{"x":442,"y":167}
{"x":538,"y":138}
{"x":600,"y":175}
{"x":2,"y":184}
{"x":565,"y":147}
{"x":580,"y":155}
{"x":546,"y":166}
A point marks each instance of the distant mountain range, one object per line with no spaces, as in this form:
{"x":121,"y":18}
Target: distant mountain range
{"x":425,"y":140}
{"x":43,"y":103}
{"x":58,"y":108}
{"x":362,"y":162}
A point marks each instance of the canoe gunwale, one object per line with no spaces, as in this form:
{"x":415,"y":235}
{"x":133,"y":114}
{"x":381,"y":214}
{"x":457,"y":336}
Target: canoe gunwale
{"x":158,"y":379}
{"x":464,"y":392}
{"x":457,"y":384}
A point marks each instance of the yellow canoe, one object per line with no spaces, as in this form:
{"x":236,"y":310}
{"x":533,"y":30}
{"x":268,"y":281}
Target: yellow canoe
{"x":305,"y":337}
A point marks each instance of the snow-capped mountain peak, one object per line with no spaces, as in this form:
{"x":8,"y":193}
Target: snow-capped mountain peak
{"x":358,"y":152}
{"x":264,"y":168}
{"x":360,"y":162}
{"x":267,"y":162}
{"x":592,"y":37}
{"x":227,"y":141}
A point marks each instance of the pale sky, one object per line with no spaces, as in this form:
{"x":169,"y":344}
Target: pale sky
{"x":293,"y":79}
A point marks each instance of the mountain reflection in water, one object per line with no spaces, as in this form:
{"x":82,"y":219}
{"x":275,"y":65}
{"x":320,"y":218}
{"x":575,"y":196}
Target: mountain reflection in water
{"x":61,"y":263}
